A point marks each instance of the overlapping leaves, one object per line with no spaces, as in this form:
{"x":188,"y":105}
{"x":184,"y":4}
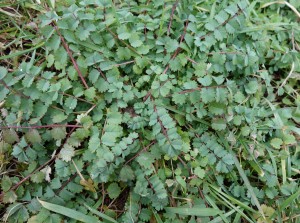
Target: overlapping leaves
{"x":174,"y":95}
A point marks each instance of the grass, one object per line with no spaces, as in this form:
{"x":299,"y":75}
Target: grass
{"x":18,"y":32}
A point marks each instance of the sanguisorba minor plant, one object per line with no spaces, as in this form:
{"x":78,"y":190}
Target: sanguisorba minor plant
{"x":150,"y":111}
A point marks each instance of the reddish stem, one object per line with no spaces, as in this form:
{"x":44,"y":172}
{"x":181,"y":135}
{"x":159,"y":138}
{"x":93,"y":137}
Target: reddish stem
{"x":17,"y":92}
{"x":224,"y":23}
{"x":71,"y":57}
{"x":171,"y":17}
{"x":136,"y":155}
{"x":194,"y":62}
{"x":128,"y":62}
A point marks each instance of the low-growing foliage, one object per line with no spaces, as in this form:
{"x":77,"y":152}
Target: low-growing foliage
{"x":150,"y":111}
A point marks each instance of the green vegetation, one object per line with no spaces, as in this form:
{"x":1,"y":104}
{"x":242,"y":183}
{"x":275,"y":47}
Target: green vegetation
{"x":149,"y":111}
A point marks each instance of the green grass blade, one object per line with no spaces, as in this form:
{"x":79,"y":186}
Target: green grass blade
{"x":101,"y":215}
{"x":244,"y":176}
{"x":219,"y":219}
{"x":237,"y":218}
{"x":247,"y":184}
{"x":200,"y":212}
{"x":68,"y":212}
{"x":157,"y":217}
{"x":286,"y":203}
{"x":21,"y":52}
{"x":213,"y":204}
{"x":233,"y":200}
{"x":253,"y":163}
{"x":230,"y":205}
{"x":272,"y":157}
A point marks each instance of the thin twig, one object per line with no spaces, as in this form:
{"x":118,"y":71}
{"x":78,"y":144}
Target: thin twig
{"x":290,"y":74}
{"x":199,"y":88}
{"x":136,"y":155}
{"x":178,"y":48}
{"x":66,"y":46}
{"x":126,"y":44}
{"x":184,"y":31}
{"x":102,"y":74}
{"x":202,"y":196}
{"x":69,"y":180}
{"x":171,"y":17}
{"x":194,"y":62}
{"x":11,"y":90}
{"x":49,"y":161}
{"x":145,"y":33}
{"x":28,"y":176}
{"x":224,"y":23}
{"x":79,"y":99}
{"x":181,"y":160}
{"x":103,"y":198}
{"x":128,"y":62}
{"x":223,"y":52}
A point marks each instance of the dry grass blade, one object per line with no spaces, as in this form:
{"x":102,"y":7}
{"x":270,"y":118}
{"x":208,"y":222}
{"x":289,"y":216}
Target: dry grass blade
{"x":283,"y":3}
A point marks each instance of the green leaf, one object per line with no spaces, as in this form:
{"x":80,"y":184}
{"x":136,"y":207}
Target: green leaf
{"x":239,"y":97}
{"x":6,"y":183}
{"x":135,"y":40}
{"x":190,"y":85}
{"x":3,"y":72}
{"x":101,"y":215}
{"x":251,"y":87}
{"x":68,"y":212}
{"x":276,"y":143}
{"x":230,"y":29}
{"x":218,"y":124}
{"x":67,"y":152}
{"x":208,"y":95}
{"x":171,"y":45}
{"x":113,"y":190}
{"x":289,"y":139}
{"x":58,"y":133}
{"x":126,"y":174}
{"x":95,"y":58}
{"x":9,"y":197}
{"x":38,"y":177}
{"x":33,"y":136}
{"x":90,"y":93}
{"x":71,"y":103}
{"x":205,"y":81}
{"x":123,"y":33}
{"x":146,"y":160}
{"x":10,"y":136}
{"x":57,"y":118}
{"x":211,"y":25}
{"x":43,"y":85}
{"x":221,"y":17}
{"x":217,"y":108}
{"x":175,"y":64}
{"x":114,"y":118}
{"x":199,"y":172}
{"x":112,"y":131}
{"x":158,"y":187}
